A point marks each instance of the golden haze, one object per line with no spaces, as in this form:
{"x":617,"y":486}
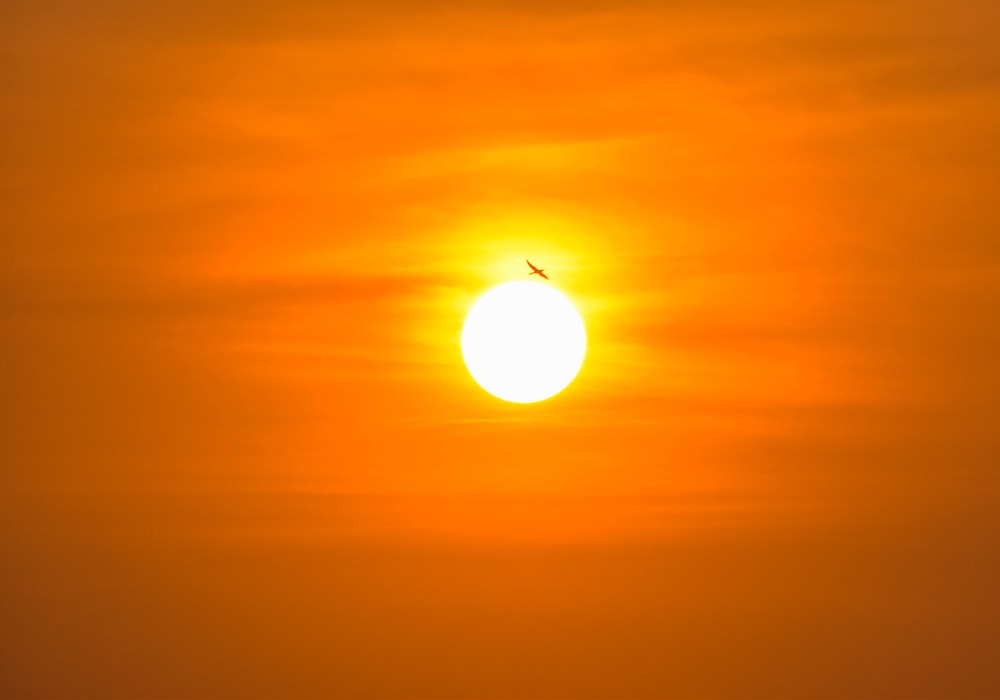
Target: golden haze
{"x":241,"y":454}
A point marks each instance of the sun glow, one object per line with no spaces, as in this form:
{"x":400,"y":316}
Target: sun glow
{"x":523,"y":341}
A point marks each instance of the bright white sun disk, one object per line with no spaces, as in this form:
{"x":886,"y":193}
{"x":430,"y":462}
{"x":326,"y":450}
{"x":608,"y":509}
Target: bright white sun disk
{"x":523,"y":341}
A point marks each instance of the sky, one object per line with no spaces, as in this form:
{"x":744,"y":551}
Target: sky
{"x":240,"y":454}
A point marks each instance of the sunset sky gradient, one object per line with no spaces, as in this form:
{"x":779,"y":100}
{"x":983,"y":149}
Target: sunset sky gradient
{"x":241,"y":455}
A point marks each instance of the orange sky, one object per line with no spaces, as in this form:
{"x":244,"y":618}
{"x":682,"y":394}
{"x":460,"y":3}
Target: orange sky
{"x":241,"y":456}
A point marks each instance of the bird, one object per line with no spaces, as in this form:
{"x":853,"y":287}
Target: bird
{"x":535,"y":270}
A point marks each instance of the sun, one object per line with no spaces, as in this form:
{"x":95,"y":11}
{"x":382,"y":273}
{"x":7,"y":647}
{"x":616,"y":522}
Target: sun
{"x":523,"y":341}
